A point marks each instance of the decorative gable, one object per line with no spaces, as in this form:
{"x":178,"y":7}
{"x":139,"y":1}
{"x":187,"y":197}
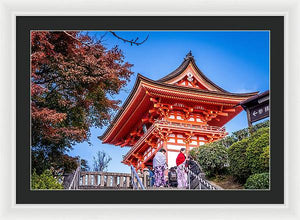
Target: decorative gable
{"x":189,"y":78}
{"x":189,"y":75}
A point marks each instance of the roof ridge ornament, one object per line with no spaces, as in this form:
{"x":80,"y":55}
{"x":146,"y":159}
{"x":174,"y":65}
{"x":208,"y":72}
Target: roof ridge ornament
{"x":189,"y":56}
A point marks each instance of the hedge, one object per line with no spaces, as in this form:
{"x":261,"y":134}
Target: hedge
{"x":258,"y":181}
{"x":213,"y":158}
{"x":239,"y":166}
{"x":256,"y":147}
{"x":264,"y":158}
{"x":250,"y":155}
{"x":245,"y":153}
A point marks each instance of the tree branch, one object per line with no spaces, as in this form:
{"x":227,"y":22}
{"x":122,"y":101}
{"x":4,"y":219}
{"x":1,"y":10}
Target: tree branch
{"x":130,"y":41}
{"x":86,"y":44}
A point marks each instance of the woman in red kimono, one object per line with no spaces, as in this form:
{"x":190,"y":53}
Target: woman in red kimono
{"x":181,"y":174}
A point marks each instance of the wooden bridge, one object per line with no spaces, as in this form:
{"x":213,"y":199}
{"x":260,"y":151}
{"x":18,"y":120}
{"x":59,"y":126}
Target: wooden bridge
{"x":91,"y":180}
{"x":103,"y":180}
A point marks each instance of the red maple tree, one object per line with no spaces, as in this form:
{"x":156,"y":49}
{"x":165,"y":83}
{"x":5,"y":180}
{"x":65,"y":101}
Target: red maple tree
{"x":71,"y":77}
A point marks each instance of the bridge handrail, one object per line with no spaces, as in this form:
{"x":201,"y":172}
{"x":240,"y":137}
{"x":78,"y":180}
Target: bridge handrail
{"x":104,"y":173}
{"x":75,"y":181}
{"x":200,"y":179}
{"x":135,"y":175}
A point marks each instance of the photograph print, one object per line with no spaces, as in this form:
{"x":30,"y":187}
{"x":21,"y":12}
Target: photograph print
{"x":150,"y":110}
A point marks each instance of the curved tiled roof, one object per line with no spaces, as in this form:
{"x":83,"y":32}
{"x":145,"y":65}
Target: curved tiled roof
{"x":183,"y":88}
{"x":187,"y":60}
{"x":161,"y":82}
{"x":187,"y":89}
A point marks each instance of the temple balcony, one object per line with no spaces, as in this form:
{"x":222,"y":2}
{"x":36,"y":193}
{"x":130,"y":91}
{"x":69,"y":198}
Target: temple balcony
{"x":190,"y":127}
{"x":213,"y":132}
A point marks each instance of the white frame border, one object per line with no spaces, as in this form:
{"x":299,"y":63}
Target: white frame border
{"x":9,"y":9}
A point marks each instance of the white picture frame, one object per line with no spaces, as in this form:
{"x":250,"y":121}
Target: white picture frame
{"x":9,"y":9}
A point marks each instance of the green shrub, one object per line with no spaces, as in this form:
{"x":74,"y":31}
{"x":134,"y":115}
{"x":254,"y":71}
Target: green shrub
{"x":241,"y":134}
{"x":258,"y":181}
{"x":213,"y":158}
{"x":227,"y":141}
{"x":256,"y":147}
{"x":44,"y":181}
{"x":259,"y":132}
{"x":239,"y":166}
{"x":194,"y":153}
{"x":250,"y":155}
{"x":245,"y":133}
{"x":265,"y":124}
{"x":247,"y":153}
{"x":264,"y":158}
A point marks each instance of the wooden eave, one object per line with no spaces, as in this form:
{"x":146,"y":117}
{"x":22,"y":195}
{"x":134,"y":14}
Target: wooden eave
{"x":143,"y":85}
{"x":196,"y":91}
{"x":249,"y":102}
{"x":122,"y":110}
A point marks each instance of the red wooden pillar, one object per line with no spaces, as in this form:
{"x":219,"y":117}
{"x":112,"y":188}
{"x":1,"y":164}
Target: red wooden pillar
{"x":187,"y":147}
{"x":165,"y":147}
{"x":187,"y":144}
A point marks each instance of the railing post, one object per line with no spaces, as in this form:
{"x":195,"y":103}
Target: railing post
{"x":189,"y":176}
{"x":132,"y":179}
{"x":96,"y":180}
{"x":127,"y":181}
{"x":200,"y":187}
{"x":89,"y":179}
{"x":145,"y":172}
{"x":121,"y":182}
{"x":115,"y":181}
{"x":108,"y":181}
{"x":102,"y":179}
{"x":76,"y":181}
{"x":83,"y":179}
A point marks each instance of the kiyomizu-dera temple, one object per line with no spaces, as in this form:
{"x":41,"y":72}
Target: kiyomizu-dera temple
{"x":182,"y":109}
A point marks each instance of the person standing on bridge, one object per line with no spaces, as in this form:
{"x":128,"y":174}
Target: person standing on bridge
{"x":159,"y":166}
{"x":181,"y":174}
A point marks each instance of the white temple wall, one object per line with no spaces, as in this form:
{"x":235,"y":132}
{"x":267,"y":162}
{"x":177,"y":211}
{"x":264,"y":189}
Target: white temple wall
{"x":172,"y":158}
{"x":172,"y":155}
{"x":173,"y":146}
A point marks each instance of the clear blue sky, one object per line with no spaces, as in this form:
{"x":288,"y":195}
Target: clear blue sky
{"x":237,"y":61}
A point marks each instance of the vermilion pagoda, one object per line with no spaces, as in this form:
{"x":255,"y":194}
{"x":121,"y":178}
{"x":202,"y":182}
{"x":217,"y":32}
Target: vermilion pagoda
{"x":182,"y":109}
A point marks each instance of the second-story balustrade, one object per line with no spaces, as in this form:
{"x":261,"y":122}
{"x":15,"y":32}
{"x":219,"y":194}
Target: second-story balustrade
{"x":161,"y":129}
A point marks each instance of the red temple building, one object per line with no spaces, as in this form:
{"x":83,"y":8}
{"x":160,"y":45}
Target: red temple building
{"x":182,"y":109}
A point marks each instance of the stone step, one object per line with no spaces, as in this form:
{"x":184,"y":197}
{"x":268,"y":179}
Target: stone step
{"x":92,"y":187}
{"x":86,"y":187}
